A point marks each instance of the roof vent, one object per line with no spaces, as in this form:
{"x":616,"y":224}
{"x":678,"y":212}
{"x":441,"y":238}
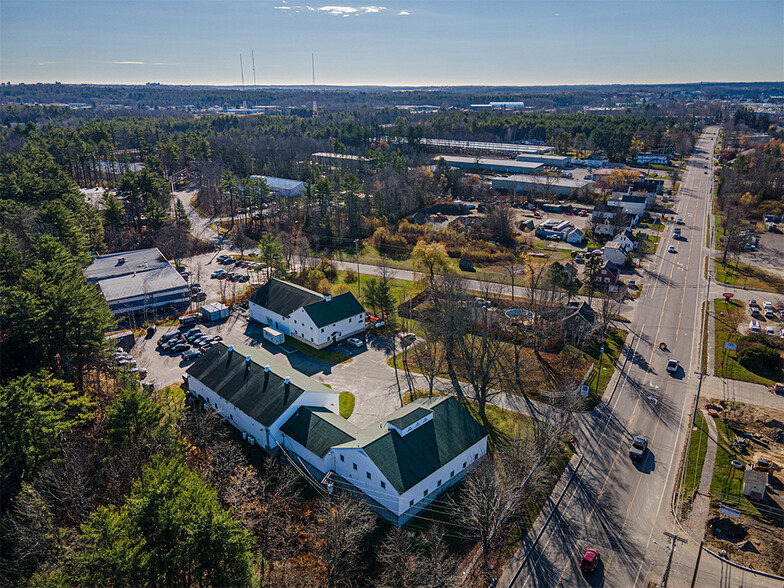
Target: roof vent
{"x":287,"y":380}
{"x":327,"y":297}
{"x":231,"y":348}
{"x":248,"y":358}
{"x":266,"y":369}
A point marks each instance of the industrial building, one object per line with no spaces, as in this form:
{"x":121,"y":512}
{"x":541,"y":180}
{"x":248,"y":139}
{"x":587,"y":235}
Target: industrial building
{"x":138,"y":281}
{"x":494,"y":164}
{"x":553,"y":160}
{"x":540,"y":184}
{"x":283,"y":186}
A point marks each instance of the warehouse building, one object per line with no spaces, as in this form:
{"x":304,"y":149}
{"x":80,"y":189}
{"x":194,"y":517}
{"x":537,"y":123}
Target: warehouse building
{"x":283,"y":186}
{"x":138,"y":281}
{"x":494,"y":164}
{"x":553,"y":160}
{"x":540,"y":184}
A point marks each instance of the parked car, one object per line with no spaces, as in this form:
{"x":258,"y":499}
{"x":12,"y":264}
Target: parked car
{"x":590,"y":560}
{"x":243,"y":278}
{"x":673,"y":365}
{"x":192,"y":354}
{"x":407,"y":339}
{"x":219,"y":274}
{"x":355,"y":342}
{"x":179,"y":348}
{"x":770,"y":331}
{"x":199,"y":296}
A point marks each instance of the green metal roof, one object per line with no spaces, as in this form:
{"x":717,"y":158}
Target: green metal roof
{"x":409,"y":418}
{"x":407,"y":460}
{"x":262,"y":396}
{"x":319,"y":429}
{"x":326,"y":312}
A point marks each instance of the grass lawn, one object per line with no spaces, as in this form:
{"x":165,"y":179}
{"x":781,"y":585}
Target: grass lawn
{"x":747,"y":276}
{"x":728,"y":480}
{"x":649,"y":244}
{"x":705,"y":319}
{"x":612,"y":351}
{"x":401,"y":289}
{"x":726,"y":364}
{"x":696,"y":458}
{"x":323,"y":355}
{"x":346,"y":404}
{"x":172,"y":400}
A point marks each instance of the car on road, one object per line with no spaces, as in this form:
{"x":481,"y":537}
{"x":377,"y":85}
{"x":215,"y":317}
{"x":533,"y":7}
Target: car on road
{"x":673,"y":365}
{"x":671,"y":249}
{"x":638,"y":448}
{"x":679,"y":221}
{"x":219,"y":274}
{"x":192,"y":354}
{"x":590,"y":560}
{"x":355,"y":342}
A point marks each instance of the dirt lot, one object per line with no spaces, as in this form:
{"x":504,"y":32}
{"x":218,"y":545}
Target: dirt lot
{"x":756,"y":540}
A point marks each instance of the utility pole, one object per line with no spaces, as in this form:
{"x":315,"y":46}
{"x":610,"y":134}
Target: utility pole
{"x":359,"y":280}
{"x":599,"y":375}
{"x":313,"y":65}
{"x":673,"y":542}
{"x":696,"y":566}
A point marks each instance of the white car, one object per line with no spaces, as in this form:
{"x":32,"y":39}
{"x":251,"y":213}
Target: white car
{"x":770,"y":331}
{"x":671,"y":249}
{"x":673,"y":365}
{"x":355,"y":342}
{"x":679,"y":221}
{"x":781,"y":334}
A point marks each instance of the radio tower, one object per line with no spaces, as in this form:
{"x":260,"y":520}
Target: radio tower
{"x":253,"y":61}
{"x":242,"y":76}
{"x":313,"y":65}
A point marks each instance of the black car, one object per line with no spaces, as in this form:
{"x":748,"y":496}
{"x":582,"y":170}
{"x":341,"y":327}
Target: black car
{"x":180,"y":347}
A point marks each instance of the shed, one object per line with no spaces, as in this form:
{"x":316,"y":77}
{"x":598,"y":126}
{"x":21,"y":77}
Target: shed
{"x":467,"y":265}
{"x":755,"y":483}
{"x":215,"y":311}
{"x":274,"y":336}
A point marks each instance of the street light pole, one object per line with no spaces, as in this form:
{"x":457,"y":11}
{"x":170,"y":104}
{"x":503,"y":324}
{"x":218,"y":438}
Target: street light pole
{"x":599,"y":375}
{"x":359,"y":279}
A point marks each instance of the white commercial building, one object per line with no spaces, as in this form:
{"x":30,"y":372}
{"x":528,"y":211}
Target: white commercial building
{"x":316,"y":319}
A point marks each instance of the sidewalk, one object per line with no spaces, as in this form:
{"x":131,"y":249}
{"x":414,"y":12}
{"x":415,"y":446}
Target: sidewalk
{"x":701,"y":505}
{"x":738,"y":391}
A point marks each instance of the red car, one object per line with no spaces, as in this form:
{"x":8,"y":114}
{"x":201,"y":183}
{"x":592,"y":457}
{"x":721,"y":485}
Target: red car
{"x":590,"y":559}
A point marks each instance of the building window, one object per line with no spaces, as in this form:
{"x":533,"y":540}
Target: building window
{"x":426,"y":491}
{"x":439,"y":482}
{"x":342,"y":458}
{"x":452,"y":474}
{"x":411,"y":502}
{"x":355,"y":465}
{"x":322,"y":330}
{"x":384,"y":485}
{"x":368,"y":475}
{"x":465,"y":463}
{"x":349,"y":320}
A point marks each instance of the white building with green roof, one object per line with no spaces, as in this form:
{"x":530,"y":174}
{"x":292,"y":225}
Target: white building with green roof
{"x":316,"y":319}
{"x":399,"y":464}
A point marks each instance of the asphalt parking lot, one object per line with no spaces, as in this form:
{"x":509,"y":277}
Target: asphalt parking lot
{"x":366,"y":374}
{"x":770,"y":253}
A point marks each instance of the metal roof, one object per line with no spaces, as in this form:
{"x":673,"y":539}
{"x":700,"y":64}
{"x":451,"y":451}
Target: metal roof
{"x":282,"y":184}
{"x":151,"y":282}
{"x":124,"y":263}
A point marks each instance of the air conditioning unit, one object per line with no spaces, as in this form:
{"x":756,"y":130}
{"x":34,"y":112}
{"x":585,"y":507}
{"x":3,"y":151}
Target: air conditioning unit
{"x":244,"y":435}
{"x":251,"y":441}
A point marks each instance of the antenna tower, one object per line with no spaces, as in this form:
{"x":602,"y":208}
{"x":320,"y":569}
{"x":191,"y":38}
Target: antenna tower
{"x":313,"y":65}
{"x":242,"y":75}
{"x":253,"y":61}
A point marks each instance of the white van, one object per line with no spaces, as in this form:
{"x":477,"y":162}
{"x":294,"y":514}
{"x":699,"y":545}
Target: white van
{"x":754,"y":327}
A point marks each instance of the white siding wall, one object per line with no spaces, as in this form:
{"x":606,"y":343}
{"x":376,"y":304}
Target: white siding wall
{"x":267,"y":438}
{"x":307,"y":331}
{"x":263,"y":315}
{"x":387,"y":497}
{"x":617,"y":256}
{"x":417,"y":493}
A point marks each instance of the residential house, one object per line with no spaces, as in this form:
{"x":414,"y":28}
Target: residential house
{"x":575,"y":237}
{"x":615,"y":252}
{"x":580,"y":318}
{"x":631,"y":204}
{"x":595,"y":160}
{"x":627,"y":238}
{"x":608,"y":276}
{"x":571,"y":271}
{"x":316,"y":319}
{"x":608,"y":220}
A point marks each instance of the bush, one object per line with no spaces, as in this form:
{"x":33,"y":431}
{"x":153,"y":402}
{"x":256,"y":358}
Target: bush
{"x":313,"y":279}
{"x":758,"y":338}
{"x":351,"y":276}
{"x":389,"y":244}
{"x":325,"y":265}
{"x":339,"y":289}
{"x":324,"y":287}
{"x":759,"y":358}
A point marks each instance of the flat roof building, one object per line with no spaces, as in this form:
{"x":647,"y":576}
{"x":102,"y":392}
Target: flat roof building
{"x":137,"y":281}
{"x":495,"y":164}
{"x":554,"y":160}
{"x":283,"y":186}
{"x":540,"y":184}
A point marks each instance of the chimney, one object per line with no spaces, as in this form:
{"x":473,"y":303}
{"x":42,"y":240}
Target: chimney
{"x":248,"y":359}
{"x":231,"y":348}
{"x":266,"y":369}
{"x":327,"y":297}
{"x":287,"y":380}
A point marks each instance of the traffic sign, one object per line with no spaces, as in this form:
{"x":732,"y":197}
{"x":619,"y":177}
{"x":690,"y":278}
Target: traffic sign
{"x":731,"y":346}
{"x":728,"y":295}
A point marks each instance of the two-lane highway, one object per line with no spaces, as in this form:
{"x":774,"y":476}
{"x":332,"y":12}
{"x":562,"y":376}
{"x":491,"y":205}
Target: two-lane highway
{"x":618,"y":506}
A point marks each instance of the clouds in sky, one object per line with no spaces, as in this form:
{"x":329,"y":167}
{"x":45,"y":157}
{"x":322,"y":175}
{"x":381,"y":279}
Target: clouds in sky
{"x":339,"y":10}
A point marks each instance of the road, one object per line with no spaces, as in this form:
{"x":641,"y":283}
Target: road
{"x":614,"y":505}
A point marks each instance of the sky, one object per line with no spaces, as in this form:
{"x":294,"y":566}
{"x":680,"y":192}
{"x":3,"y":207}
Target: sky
{"x":393,"y":43}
